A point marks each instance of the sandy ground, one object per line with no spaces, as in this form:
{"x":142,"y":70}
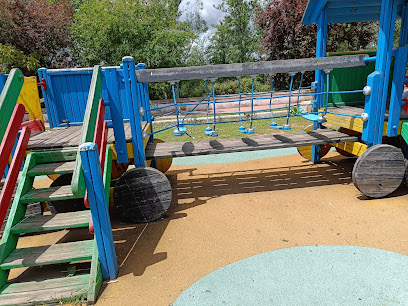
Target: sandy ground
{"x":227,"y":212}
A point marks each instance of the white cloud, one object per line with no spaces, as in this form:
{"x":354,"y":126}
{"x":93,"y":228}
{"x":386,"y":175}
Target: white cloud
{"x":209,"y":13}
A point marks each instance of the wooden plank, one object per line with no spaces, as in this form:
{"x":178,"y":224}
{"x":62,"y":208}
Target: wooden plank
{"x":33,"y":224}
{"x":45,"y":291}
{"x":45,"y":194}
{"x":326,"y":136}
{"x":52,"y":168}
{"x":49,"y":254}
{"x":231,"y":70}
{"x":95,"y":277}
{"x":355,"y":148}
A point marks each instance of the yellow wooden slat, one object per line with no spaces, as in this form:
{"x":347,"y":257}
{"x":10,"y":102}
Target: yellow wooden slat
{"x":356,"y":148}
{"x":30,"y":99}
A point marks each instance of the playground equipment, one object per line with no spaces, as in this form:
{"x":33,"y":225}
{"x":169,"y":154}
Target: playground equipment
{"x":76,"y":100}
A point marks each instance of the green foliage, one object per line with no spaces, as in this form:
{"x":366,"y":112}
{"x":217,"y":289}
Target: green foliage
{"x":236,"y":39}
{"x":104,"y":31}
{"x":39,"y":27}
{"x":10,"y":57}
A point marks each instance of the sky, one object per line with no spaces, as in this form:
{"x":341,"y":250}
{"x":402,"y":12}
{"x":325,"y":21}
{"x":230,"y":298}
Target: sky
{"x":209,"y":13}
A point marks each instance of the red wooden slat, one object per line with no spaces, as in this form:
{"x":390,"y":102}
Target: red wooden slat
{"x":10,"y":136}
{"x":10,"y":183}
{"x":36,"y":126}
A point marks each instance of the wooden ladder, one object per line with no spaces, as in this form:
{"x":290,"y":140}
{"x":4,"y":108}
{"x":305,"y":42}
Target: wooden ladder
{"x":83,"y":286}
{"x":75,"y":286}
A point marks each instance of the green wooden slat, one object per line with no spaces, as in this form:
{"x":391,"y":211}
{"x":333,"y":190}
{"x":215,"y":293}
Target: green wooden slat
{"x":53,"y":168}
{"x":88,"y":128}
{"x":54,"y":290}
{"x":49,"y":254}
{"x":9,"y":240}
{"x":50,"y":193}
{"x":56,"y":155}
{"x":404,"y":131}
{"x":33,"y":224}
{"x":95,"y":277}
{"x":8,"y":98}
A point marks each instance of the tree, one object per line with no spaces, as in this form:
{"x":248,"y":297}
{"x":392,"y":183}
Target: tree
{"x":38,"y":28}
{"x":236,"y":39}
{"x":104,"y":31}
{"x":285,"y":37}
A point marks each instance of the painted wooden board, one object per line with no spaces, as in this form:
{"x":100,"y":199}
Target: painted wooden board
{"x":30,"y":99}
{"x":218,"y":146}
{"x":45,"y":291}
{"x":353,"y":148}
{"x":49,"y":254}
{"x":61,"y":137}
{"x":45,"y":194}
{"x":142,"y":195}
{"x":33,"y":224}
{"x":306,"y":152}
{"x":51,"y":168}
{"x":379,"y":171}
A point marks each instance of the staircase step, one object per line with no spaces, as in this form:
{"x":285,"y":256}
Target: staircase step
{"x":33,"y":224}
{"x":50,"y":193}
{"x":53,"y":168}
{"x":56,"y":290}
{"x":49,"y":254}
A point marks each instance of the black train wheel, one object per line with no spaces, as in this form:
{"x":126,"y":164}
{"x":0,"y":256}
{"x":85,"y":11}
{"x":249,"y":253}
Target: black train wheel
{"x":142,"y":195}
{"x":379,"y":171}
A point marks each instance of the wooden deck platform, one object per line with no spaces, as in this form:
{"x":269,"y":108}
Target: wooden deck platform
{"x":61,"y":137}
{"x":218,"y":146}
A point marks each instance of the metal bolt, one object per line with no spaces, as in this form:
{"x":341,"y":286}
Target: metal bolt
{"x":364,"y":116}
{"x":367,"y":90}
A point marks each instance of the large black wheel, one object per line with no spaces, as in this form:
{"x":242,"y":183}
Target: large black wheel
{"x":379,"y":171}
{"x":142,"y":195}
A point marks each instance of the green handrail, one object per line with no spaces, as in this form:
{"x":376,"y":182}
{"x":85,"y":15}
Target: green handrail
{"x":88,"y":129}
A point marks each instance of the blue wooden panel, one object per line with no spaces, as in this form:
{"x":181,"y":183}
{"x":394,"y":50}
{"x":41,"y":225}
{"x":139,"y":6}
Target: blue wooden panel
{"x":3,"y":79}
{"x":347,"y":10}
{"x":397,"y":88}
{"x":373,"y":81}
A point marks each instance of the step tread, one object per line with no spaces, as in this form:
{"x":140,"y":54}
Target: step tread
{"x":51,"y":168}
{"x":50,"y":290}
{"x":41,"y":223}
{"x":50,"y":193}
{"x":49,"y":254}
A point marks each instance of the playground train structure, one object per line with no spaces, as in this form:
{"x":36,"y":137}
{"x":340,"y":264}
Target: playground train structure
{"x":101,"y":121}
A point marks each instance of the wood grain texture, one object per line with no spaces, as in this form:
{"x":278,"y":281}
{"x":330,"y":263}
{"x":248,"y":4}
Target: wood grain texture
{"x":49,"y":254}
{"x":52,"y":168}
{"x":33,"y":224}
{"x":45,"y":291}
{"x":142,"y":195}
{"x":45,"y":194}
{"x":218,"y":146}
{"x":379,"y":171}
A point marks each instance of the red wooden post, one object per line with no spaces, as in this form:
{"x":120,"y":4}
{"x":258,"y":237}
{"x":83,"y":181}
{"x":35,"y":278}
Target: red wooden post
{"x":10,"y":183}
{"x":10,"y":135}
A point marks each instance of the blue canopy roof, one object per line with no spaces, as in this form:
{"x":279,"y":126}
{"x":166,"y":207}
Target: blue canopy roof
{"x":346,"y":10}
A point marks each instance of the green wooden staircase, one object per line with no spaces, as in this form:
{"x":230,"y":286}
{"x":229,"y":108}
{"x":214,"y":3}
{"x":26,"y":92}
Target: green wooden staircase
{"x":81,"y":286}
{"x":68,"y":284}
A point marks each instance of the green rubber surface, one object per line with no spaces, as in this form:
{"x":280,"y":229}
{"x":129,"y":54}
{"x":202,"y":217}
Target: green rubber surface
{"x":232,"y":157}
{"x":311,"y":275}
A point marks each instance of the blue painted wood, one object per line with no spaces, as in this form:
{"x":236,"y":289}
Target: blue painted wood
{"x":133,"y":109}
{"x":373,"y":81}
{"x":111,"y":82}
{"x":3,"y":79}
{"x":99,"y":209}
{"x":319,"y":74}
{"x":348,"y":10}
{"x":383,"y":63}
{"x":397,"y":88}
{"x":79,"y":95}
{"x":403,"y":41}
{"x":49,"y":100}
{"x":318,"y":8}
{"x":143,"y":100}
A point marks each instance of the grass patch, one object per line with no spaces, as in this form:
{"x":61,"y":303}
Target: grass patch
{"x":230,"y":130}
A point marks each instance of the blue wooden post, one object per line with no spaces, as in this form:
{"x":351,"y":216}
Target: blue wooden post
{"x":112,"y":85}
{"x":99,"y":209}
{"x":52,"y":111}
{"x":383,"y":64}
{"x":129,"y":75}
{"x":319,"y":74}
{"x":144,"y":100}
